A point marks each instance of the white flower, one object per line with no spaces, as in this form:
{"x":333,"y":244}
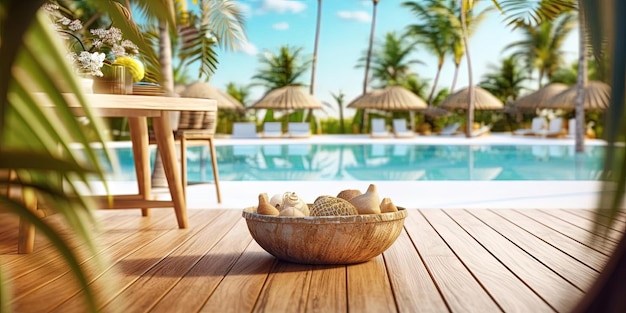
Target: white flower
{"x":89,"y":63}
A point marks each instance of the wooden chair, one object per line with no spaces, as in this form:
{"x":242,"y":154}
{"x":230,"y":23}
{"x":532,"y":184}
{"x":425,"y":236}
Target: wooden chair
{"x":197,"y":126}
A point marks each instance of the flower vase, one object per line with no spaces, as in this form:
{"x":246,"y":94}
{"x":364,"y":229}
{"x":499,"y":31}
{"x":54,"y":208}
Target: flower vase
{"x":116,"y":80}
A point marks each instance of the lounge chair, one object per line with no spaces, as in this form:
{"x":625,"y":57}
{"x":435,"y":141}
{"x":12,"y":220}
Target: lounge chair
{"x":272,"y":130}
{"x":537,"y":125}
{"x":450,"y":130}
{"x":555,"y":129}
{"x":571,"y":128}
{"x":298,"y":130}
{"x":379,"y":130}
{"x":244,"y":130}
{"x":400,"y":129}
{"x":483,"y":130}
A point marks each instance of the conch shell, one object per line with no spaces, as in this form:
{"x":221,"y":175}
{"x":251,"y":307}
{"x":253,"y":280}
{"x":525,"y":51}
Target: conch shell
{"x":331,"y":206}
{"x":367,"y":203}
{"x":292,"y":200}
{"x":349,"y":194}
{"x":277,"y":201}
{"x":291,"y":211}
{"x":265,"y":207}
{"x":386,"y":206}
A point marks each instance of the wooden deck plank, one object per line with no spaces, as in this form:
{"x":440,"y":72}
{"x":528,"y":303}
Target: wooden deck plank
{"x":592,"y":258}
{"x":286,"y":288}
{"x":327,"y":292}
{"x":55,"y":271}
{"x":369,"y":288}
{"x":207,"y":274}
{"x":460,"y":290}
{"x":609,"y":234}
{"x":574,"y":271}
{"x":413,"y":287}
{"x":495,"y":277}
{"x":552,"y":288}
{"x":444,"y":260}
{"x":582,"y":236}
{"x":158,"y":280}
{"x":239,"y":290}
{"x":128,"y":268}
{"x":617,"y":225}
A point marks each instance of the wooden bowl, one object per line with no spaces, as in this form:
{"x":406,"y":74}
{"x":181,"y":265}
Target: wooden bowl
{"x":325,"y":239}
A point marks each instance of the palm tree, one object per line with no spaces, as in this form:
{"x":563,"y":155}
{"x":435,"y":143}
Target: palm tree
{"x":505,"y":81}
{"x":391,"y":63}
{"x":433,"y":32}
{"x":541,"y":47}
{"x":367,"y":60}
{"x":473,"y":21}
{"x":281,"y":69}
{"x":317,"y":40}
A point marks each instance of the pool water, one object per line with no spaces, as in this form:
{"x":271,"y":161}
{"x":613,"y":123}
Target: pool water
{"x":381,"y":162}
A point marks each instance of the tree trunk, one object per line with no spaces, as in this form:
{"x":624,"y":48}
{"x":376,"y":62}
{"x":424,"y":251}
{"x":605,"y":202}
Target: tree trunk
{"x":470,"y":95}
{"x":456,"y":75}
{"x":165,"y":59}
{"x":435,"y":83}
{"x":367,"y":61}
{"x":581,"y":83}
{"x":314,"y":61}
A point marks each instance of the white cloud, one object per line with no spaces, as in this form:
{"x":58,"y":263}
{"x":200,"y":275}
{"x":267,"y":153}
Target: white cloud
{"x":282,"y":6}
{"x":281,"y":26}
{"x":248,"y":48}
{"x":359,"y":16}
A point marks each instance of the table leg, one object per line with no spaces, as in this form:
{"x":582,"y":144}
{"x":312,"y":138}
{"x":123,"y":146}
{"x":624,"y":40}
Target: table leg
{"x":165,"y":143}
{"x":139,"y":136}
{"x":215,"y":171}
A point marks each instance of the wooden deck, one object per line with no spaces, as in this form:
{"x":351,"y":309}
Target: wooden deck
{"x":445,"y":260}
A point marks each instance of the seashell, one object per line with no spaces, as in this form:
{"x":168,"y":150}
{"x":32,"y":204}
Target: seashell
{"x":292,"y":200}
{"x":349,"y":194}
{"x":367,"y":203}
{"x":386,"y":206}
{"x":291,"y":211}
{"x":265,"y":207}
{"x":277,"y":201}
{"x":331,"y":206}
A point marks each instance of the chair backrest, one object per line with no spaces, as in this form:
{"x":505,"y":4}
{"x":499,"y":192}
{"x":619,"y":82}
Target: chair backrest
{"x":450,"y":129}
{"x":539,"y":123}
{"x":556,"y":125}
{"x":300,"y":128}
{"x":244,"y":130}
{"x":272,"y":127}
{"x":378,"y":125}
{"x":571,"y":127}
{"x":399,"y":125}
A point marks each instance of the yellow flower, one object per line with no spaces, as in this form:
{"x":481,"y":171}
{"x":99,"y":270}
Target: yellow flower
{"x":133,"y":65}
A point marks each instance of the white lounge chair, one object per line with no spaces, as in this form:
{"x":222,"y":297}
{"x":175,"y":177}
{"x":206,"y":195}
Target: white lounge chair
{"x":483,"y":130}
{"x":537,"y":125}
{"x":400,"y":129}
{"x":298,"y":130}
{"x":272,"y":130}
{"x":555,"y":128}
{"x":244,"y":130}
{"x":571,"y":128}
{"x":378,"y":129}
{"x":451,"y":129}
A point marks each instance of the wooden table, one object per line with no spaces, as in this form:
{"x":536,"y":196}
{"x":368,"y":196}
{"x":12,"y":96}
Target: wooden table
{"x":138,"y":109}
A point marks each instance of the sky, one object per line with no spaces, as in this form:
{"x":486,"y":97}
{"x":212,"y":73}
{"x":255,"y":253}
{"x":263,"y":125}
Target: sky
{"x":344,"y":36}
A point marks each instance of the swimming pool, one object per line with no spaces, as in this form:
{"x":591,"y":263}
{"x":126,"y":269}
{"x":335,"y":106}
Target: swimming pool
{"x":383,"y":162}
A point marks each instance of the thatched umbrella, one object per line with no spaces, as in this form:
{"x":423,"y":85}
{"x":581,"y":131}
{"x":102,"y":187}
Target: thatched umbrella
{"x":288,"y":98}
{"x":392,"y":98}
{"x":596,"y":97}
{"x":540,"y":98}
{"x":205,"y":90}
{"x":483,"y":100}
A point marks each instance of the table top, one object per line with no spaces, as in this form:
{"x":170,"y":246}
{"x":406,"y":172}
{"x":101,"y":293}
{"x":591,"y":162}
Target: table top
{"x":133,"y":105}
